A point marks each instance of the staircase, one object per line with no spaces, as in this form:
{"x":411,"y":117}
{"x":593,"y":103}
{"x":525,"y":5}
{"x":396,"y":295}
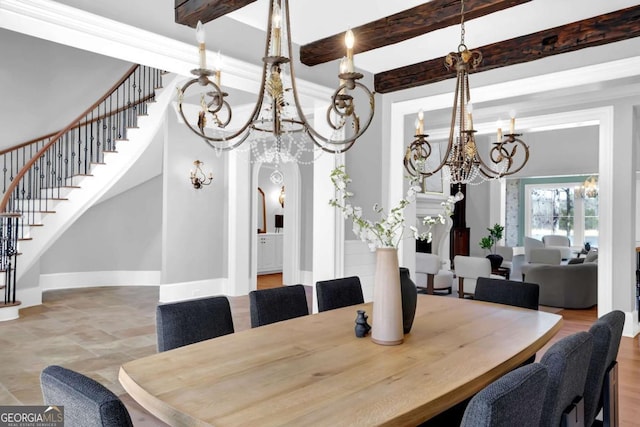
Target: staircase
{"x":49,"y":182}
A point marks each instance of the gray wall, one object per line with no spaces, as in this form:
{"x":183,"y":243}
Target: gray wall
{"x":120,"y":234}
{"x":194,"y":220}
{"x":558,"y":152}
{"x":45,"y":85}
{"x":364,"y":166}
{"x":306,"y":221}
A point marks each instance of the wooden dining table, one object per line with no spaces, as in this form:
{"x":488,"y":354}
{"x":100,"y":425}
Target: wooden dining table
{"x":314,"y":371}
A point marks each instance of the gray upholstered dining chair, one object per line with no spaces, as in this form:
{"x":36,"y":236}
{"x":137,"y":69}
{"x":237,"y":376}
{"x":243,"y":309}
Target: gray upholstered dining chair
{"x":567,"y":362}
{"x":276,"y":304}
{"x":339,"y":293}
{"x":518,"y":395}
{"x":86,"y":402}
{"x":509,"y":292}
{"x":606,"y":332}
{"x":187,"y":322}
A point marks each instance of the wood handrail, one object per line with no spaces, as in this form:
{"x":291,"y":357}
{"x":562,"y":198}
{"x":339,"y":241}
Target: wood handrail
{"x":86,"y":122}
{"x":56,"y":137}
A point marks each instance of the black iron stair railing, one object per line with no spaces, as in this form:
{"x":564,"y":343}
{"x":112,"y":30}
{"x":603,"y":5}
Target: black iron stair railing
{"x":36,"y":174}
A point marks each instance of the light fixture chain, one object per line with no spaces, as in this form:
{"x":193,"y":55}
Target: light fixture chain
{"x":462,"y":31}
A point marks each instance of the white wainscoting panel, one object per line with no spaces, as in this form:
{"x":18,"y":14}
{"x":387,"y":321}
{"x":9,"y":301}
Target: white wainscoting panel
{"x":360,"y":261}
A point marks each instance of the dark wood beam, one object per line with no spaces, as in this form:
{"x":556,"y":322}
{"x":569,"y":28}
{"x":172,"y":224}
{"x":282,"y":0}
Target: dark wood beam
{"x":402,"y":26}
{"x":189,"y":12}
{"x":608,"y":28}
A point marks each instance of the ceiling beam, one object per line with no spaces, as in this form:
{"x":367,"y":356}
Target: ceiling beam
{"x":608,"y":28}
{"x":189,"y":12}
{"x":402,"y":26}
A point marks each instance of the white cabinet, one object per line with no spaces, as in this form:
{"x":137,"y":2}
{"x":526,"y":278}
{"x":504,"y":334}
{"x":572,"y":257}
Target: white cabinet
{"x":269,"y":253}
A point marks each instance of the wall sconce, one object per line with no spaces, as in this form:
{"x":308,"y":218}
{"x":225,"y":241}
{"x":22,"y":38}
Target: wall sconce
{"x":198,"y":178}
{"x":281,"y":197}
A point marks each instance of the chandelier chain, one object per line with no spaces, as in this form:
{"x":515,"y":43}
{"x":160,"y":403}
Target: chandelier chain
{"x":462,"y":31}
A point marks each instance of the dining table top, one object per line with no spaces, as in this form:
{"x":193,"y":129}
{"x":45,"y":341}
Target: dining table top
{"x":313,"y":370}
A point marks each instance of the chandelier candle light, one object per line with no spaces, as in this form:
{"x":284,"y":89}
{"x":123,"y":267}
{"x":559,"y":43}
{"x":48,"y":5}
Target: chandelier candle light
{"x":461,"y":162}
{"x":277,"y":129}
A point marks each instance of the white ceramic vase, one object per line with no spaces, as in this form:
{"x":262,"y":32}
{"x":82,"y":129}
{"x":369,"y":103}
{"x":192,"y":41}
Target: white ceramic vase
{"x":386,"y":328}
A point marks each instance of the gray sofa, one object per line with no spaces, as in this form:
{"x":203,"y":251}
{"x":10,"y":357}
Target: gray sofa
{"x":566,"y":286}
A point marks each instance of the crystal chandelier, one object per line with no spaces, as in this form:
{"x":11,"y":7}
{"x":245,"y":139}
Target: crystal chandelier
{"x":461,"y":162}
{"x":277,"y":129}
{"x":589,"y":189}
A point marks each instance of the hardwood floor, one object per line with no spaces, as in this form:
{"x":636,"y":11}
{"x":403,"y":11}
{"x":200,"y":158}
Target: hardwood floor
{"x":95,"y":330}
{"x":266,"y":281}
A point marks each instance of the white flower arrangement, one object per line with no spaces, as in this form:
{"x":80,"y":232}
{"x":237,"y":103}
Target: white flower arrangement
{"x":388,"y":230}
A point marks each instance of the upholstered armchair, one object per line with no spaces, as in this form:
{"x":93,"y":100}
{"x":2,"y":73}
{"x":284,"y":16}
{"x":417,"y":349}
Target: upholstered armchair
{"x":506,"y":252}
{"x":529,"y":244}
{"x":433,"y":271}
{"x":562,"y":243}
{"x":430,"y":276}
{"x":468,"y":269}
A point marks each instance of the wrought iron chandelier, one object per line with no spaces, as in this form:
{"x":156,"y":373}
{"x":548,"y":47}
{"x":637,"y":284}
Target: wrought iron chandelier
{"x":461,"y":162}
{"x":277,"y":129}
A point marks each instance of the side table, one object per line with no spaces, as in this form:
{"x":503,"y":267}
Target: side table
{"x":502,"y":271}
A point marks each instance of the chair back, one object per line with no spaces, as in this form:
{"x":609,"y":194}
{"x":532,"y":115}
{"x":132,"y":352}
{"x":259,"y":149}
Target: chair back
{"x":187,"y":322}
{"x":506,"y":252}
{"x":556,"y":240}
{"x":529,"y":244}
{"x":518,"y":395}
{"x":606,"y":332}
{"x":567,"y":362}
{"x":545,"y":256}
{"x":339,"y":293}
{"x":86,"y":402}
{"x":468,"y":269}
{"x":510,"y":292}
{"x":472,"y":267}
{"x":276,"y":304}
{"x":427,"y":263}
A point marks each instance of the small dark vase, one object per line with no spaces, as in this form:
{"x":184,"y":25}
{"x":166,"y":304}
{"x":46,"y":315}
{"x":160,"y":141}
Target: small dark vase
{"x":496,"y":261}
{"x":362,"y":327}
{"x":409,"y":295}
{"x":587,"y":247}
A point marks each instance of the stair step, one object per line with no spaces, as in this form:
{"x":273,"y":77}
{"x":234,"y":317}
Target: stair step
{"x":76,"y":180}
{"x":60,"y":192}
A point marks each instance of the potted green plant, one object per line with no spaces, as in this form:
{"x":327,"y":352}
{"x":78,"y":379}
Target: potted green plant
{"x":488,"y":243}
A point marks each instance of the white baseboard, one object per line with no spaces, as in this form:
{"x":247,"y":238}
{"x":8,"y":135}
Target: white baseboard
{"x":631,"y":325}
{"x":9,"y":313}
{"x":91,"y":279}
{"x":187,"y":290}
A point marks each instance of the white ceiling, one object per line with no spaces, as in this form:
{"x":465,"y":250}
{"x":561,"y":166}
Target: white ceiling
{"x":312,"y":20}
